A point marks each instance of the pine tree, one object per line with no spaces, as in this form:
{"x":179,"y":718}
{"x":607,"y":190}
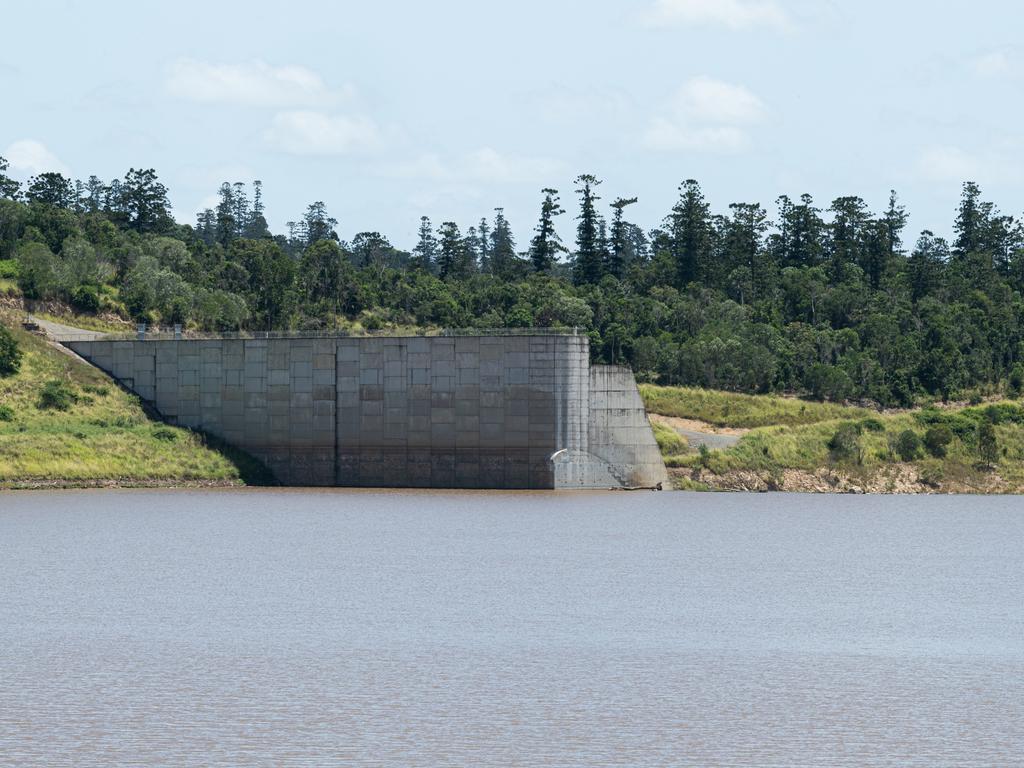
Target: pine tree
{"x":895,"y":222}
{"x":9,"y":188}
{"x":484,"y":245}
{"x":743,"y":253}
{"x":425,"y":253}
{"x":449,"y":249}
{"x":588,"y":267}
{"x":689,"y":231}
{"x":145,"y":201}
{"x":227,"y":224}
{"x":798,"y":242}
{"x":51,"y":189}
{"x":546,"y":244}
{"x":94,"y":191}
{"x":504,"y":263}
{"x":848,"y":233}
{"x":318,"y":224}
{"x":619,"y":247}
{"x":469,"y":258}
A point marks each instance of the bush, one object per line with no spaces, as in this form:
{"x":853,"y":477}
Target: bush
{"x":56,"y":395}
{"x":10,"y":354}
{"x":100,"y":390}
{"x":1015,"y":382}
{"x":908,"y":445}
{"x":85,"y":298}
{"x":8,"y":269}
{"x":936,"y":440}
{"x":988,"y":447}
{"x":872,"y":425}
{"x":844,"y":445}
{"x":6,"y":413}
{"x":165,"y":434}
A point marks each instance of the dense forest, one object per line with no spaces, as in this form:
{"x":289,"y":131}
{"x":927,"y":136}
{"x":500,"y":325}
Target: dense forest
{"x":831,"y":302}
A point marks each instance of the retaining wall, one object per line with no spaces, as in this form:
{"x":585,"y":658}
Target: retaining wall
{"x":441,"y":412}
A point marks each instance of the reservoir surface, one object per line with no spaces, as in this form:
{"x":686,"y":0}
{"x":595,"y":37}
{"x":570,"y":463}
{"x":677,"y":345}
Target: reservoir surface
{"x":381,"y":628}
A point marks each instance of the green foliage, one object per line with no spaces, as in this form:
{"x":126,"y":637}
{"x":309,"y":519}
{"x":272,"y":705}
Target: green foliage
{"x":1015,"y":381}
{"x":85,"y":298}
{"x":988,"y":446}
{"x":6,"y":413}
{"x":872,"y":424}
{"x":56,"y":395}
{"x":728,"y":409}
{"x":937,"y":439}
{"x":670,"y":442}
{"x":10,"y":353}
{"x":827,"y":305}
{"x":844,"y":445}
{"x":908,"y":445}
{"x":165,"y":434}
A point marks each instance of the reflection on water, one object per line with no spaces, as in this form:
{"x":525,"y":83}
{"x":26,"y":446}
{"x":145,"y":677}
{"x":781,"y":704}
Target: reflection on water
{"x":426,"y":629}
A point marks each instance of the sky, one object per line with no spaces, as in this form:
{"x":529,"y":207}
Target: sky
{"x":388,"y":111}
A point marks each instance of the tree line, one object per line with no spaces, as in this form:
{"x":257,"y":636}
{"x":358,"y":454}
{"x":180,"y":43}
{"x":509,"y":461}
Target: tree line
{"x":830,"y":301}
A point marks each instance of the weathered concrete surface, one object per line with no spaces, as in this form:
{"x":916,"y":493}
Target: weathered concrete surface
{"x":440,"y":412}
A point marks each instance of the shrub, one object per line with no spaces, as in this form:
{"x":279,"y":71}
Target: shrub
{"x":872,"y":424}
{"x":100,"y":390}
{"x":936,"y":439}
{"x":56,"y":395}
{"x":908,"y":445}
{"x":165,"y":434}
{"x":705,"y":456}
{"x":85,"y":298}
{"x":6,"y":413}
{"x":844,"y":445}
{"x":1015,"y":382}
{"x":988,"y":447}
{"x":8,"y":269}
{"x":10,"y":354}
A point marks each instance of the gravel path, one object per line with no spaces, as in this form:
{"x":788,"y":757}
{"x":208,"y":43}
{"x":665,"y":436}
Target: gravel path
{"x":61,"y":332}
{"x":698,"y":434}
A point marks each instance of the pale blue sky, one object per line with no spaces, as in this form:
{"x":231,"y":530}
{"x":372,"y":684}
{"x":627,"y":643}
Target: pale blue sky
{"x":390,"y":110}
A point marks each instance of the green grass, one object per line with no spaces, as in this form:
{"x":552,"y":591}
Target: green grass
{"x":728,"y":409}
{"x":669,"y":441}
{"x":790,"y":434}
{"x":9,"y":287}
{"x":105,"y":436}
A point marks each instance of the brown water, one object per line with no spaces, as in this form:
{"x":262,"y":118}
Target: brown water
{"x":479,"y":629}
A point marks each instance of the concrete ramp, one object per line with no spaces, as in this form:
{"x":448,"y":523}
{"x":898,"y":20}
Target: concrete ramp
{"x":453,"y":411}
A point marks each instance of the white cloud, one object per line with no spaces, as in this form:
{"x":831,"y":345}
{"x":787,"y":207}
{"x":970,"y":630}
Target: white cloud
{"x":484,"y":165}
{"x":993,"y":63}
{"x":947,"y":163}
{"x":315,"y":133}
{"x":996,"y":164}
{"x":253,"y":83}
{"x":30,"y":157}
{"x":735,"y":14}
{"x":706,"y":115}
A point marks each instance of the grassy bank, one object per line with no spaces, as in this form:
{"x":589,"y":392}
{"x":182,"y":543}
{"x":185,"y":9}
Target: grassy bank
{"x":728,"y":409}
{"x":103,"y":437}
{"x":793,"y":445}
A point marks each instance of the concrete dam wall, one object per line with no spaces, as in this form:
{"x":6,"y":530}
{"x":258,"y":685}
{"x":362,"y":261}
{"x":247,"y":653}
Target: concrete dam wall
{"x":523,"y":411}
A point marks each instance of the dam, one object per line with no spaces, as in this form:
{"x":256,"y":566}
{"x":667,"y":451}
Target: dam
{"x":516,"y":410}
